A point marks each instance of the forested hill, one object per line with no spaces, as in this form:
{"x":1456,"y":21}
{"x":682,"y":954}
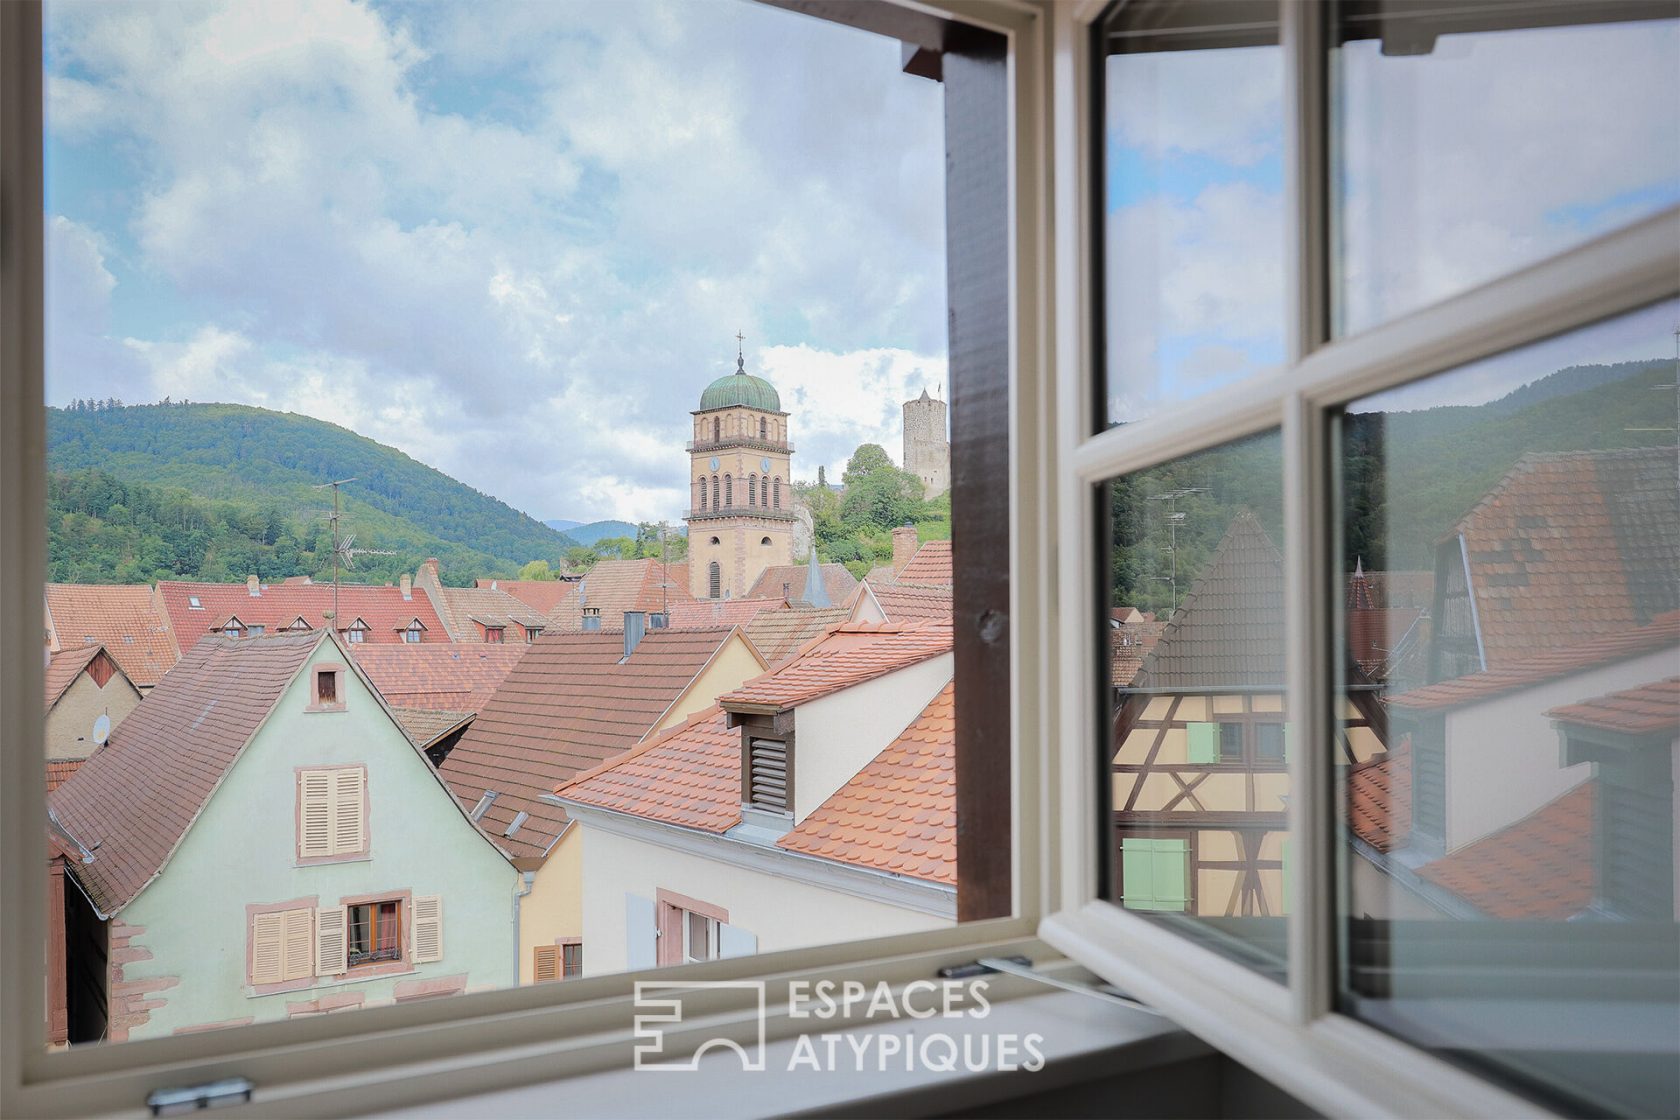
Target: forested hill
{"x":219,"y":491}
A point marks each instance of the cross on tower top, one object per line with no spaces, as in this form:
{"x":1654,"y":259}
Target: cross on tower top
{"x":740,"y":354}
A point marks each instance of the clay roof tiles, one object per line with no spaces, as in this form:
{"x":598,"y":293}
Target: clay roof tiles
{"x":64,"y":667}
{"x":133,"y":800}
{"x":780,"y":634}
{"x":275,"y":607}
{"x":688,"y":776}
{"x":572,"y":702}
{"x":124,"y":618}
{"x":1650,"y":709}
{"x":59,"y":771}
{"x":613,"y":587}
{"x":930,"y":566}
{"x":720,"y":612}
{"x":903,"y":603}
{"x":847,"y":655}
{"x":787,"y":581}
{"x":488,"y":607}
{"x":1379,"y":798}
{"x":1541,"y":867}
{"x":541,"y":595}
{"x":446,"y":675}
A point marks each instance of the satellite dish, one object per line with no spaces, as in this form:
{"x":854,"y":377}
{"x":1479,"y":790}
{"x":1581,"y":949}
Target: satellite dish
{"x":101,"y":729}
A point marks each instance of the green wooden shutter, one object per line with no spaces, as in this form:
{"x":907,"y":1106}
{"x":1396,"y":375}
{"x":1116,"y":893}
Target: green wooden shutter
{"x":1155,"y":874}
{"x":1204,"y":742}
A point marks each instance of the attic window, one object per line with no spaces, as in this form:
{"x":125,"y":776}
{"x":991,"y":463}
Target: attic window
{"x":255,"y":631}
{"x":357,"y":632}
{"x":193,"y":603}
{"x":531,"y":633}
{"x":411,"y":635}
{"x":327,"y":689}
{"x":298,"y":625}
{"x":493,"y":634}
{"x":233,"y":630}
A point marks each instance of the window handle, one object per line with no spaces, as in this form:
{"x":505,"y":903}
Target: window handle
{"x":192,"y":1098}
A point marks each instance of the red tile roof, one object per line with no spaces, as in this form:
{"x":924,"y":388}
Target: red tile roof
{"x":133,"y":800}
{"x":780,"y":634}
{"x":1548,"y":664}
{"x":1592,"y":537}
{"x":718,"y":612}
{"x":572,"y":702}
{"x":63,"y":668}
{"x":448,"y":676}
{"x":468,"y":609}
{"x":899,"y":813}
{"x":931,"y":565}
{"x":787,"y":581}
{"x":688,"y":776}
{"x":541,"y":595}
{"x":1647,"y":710}
{"x":425,"y":726}
{"x":1379,"y":798}
{"x":1129,"y":645}
{"x":274,"y":607}
{"x":59,"y":771}
{"x":1538,"y":868}
{"x":910,"y":603}
{"x":123,"y":617}
{"x":847,"y":655}
{"x":615,"y":586}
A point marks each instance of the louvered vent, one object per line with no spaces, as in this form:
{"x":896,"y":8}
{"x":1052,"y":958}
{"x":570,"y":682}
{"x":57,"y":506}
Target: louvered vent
{"x":767,"y":775}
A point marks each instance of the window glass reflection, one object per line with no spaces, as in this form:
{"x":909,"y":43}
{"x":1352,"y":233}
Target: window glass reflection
{"x":1511,"y":538}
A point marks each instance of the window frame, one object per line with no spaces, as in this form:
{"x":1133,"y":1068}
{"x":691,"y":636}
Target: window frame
{"x":1291,"y":1033}
{"x":431,"y":1050}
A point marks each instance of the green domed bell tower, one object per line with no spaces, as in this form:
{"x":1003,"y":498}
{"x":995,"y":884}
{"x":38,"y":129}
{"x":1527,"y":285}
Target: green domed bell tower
{"x":740,"y":516}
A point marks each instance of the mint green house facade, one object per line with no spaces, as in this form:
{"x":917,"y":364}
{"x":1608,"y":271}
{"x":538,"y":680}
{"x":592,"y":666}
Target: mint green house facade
{"x":260,"y":840}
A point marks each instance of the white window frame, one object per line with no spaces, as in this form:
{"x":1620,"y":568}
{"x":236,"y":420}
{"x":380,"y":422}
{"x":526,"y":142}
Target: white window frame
{"x":1287,"y":1034}
{"x":478,"y":1042}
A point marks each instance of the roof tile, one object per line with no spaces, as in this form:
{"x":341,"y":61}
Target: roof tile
{"x":124,"y":618}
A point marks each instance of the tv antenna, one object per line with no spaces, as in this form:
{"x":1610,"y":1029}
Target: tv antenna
{"x":344,"y":551}
{"x":1174,"y":519}
{"x":1674,"y":385}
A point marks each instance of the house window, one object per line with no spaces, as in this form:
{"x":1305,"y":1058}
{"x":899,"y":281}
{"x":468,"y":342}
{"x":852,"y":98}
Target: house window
{"x":1230,"y":742}
{"x":411,"y":634}
{"x":299,"y":625}
{"x":232,"y":630}
{"x":1269,"y":741}
{"x":281,"y":946}
{"x":193,"y":603}
{"x":493,"y":633}
{"x":332,"y":813}
{"x":357,"y":633}
{"x":255,"y":630}
{"x":560,"y":961}
{"x":531,"y":633}
{"x":375,"y":933}
{"x":1155,"y":873}
{"x":699,"y":937}
{"x":328,"y":691}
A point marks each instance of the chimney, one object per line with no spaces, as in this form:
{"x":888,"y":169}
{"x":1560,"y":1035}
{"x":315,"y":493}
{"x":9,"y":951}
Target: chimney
{"x":407,"y":585}
{"x":904,"y":546}
{"x":659,"y":621}
{"x":253,"y":586}
{"x":430,"y":570}
{"x":635,"y":626}
{"x":591,"y":622}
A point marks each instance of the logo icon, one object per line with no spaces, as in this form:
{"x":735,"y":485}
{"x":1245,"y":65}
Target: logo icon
{"x":654,"y":1016}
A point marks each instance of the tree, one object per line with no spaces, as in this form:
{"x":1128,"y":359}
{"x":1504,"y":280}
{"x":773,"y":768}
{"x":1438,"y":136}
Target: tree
{"x":537,"y":570}
{"x":866,"y":460}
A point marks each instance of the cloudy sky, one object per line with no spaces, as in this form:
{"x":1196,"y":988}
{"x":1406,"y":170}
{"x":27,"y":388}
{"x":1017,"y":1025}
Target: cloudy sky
{"x":513,"y":240}
{"x":1491,"y":152}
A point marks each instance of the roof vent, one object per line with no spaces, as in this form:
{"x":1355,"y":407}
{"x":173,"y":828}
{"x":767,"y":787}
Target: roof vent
{"x":519,"y":818}
{"x":483,"y":805}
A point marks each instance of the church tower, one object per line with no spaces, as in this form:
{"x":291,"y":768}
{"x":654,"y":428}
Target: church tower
{"x":927,"y":451}
{"x":740,"y":517}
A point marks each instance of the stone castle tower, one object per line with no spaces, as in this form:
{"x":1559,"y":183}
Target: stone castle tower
{"x":927,"y":451}
{"x":740,"y":517}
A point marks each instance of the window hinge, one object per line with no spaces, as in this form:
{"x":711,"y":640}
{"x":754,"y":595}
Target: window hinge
{"x":192,"y":1098}
{"x":1023,"y":967}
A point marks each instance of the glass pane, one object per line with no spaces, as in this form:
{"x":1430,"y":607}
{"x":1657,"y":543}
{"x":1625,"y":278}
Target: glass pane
{"x":1199,"y":791}
{"x":1192,"y":203}
{"x":1472,"y":140}
{"x":1511,"y":708}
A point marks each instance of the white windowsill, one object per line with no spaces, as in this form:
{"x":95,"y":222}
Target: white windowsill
{"x":1075,"y":1029}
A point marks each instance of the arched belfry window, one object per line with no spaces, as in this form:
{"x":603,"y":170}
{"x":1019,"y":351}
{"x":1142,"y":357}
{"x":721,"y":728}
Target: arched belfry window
{"x":763,"y":428}
{"x":728,"y":490}
{"x":752,"y":490}
{"x":701,"y":487}
{"x":778,"y":491}
{"x":714,"y":580}
{"x":714,"y":491}
{"x":764,"y":491}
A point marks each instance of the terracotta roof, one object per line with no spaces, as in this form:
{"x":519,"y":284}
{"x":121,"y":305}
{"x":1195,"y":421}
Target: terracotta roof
{"x":615,"y":586}
{"x":1647,"y":710}
{"x":1227,"y":634}
{"x":719,"y":612}
{"x":63,"y":668}
{"x":449,"y":676}
{"x":1591,"y":537}
{"x":1540,"y":867}
{"x":123,"y":617}
{"x":688,"y":776}
{"x":787,"y":581}
{"x":931,"y":565}
{"x":780,"y":634}
{"x":134,"y":799}
{"x":899,"y":813}
{"x":847,"y":655}
{"x":1379,"y":798}
{"x":1129,"y":646}
{"x":572,"y":702}
{"x":903,"y":603}
{"x":425,"y":726}
{"x":60,"y":770}
{"x":274,"y":607}
{"x":1548,"y":664}
{"x":1375,"y":634}
{"x":465,"y":606}
{"x":541,"y":595}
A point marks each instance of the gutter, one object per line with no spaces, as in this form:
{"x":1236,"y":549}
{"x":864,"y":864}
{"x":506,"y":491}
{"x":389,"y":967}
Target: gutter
{"x":529,"y":878}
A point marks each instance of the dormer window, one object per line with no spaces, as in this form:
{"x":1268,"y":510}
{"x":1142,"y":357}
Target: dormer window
{"x":357,"y":633}
{"x":411,"y":633}
{"x":531,"y":633}
{"x":298,"y":625}
{"x":233,"y":628}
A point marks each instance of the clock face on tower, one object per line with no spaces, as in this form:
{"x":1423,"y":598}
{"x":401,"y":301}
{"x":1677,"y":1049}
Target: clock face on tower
{"x":764,"y":464}
{"x":714,"y":462}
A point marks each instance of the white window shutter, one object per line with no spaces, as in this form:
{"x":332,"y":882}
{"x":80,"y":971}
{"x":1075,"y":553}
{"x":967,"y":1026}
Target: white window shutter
{"x":331,"y":941}
{"x":349,"y":820}
{"x":641,"y":931}
{"x":268,"y":948}
{"x":733,"y":941}
{"x":315,"y":818}
{"x":297,"y":958}
{"x":428,"y":928}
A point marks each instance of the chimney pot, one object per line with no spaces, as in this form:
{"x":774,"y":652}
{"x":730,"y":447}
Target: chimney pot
{"x":253,"y":586}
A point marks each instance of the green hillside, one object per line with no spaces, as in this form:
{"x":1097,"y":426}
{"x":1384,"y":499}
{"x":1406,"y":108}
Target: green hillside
{"x":219,"y":491}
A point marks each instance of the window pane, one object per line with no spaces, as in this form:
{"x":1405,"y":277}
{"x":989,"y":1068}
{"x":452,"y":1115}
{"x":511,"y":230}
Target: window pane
{"x":1192,"y":202}
{"x":1198,"y":808}
{"x":1470,"y":141}
{"x":1511,"y":539}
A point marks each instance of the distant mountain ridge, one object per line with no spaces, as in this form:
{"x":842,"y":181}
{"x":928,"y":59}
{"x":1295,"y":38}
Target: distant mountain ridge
{"x":272,"y":462}
{"x":593,"y":531}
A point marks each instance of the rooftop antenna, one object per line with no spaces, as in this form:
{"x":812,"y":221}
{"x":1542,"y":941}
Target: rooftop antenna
{"x":1675,"y":385}
{"x":343,"y":550}
{"x":1174,"y":520}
